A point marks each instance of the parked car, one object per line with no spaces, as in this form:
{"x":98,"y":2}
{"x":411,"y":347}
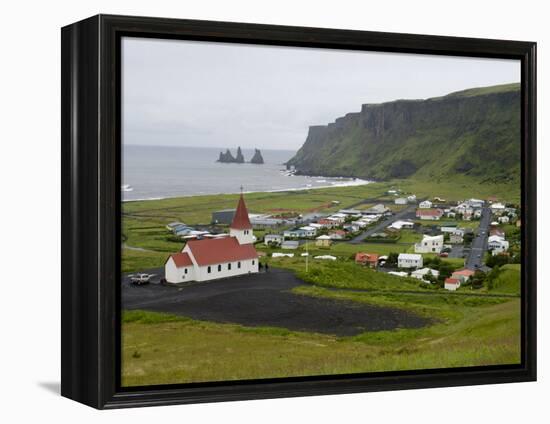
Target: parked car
{"x":140,"y":279}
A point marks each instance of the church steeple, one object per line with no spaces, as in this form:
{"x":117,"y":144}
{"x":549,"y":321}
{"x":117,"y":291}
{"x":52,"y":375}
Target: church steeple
{"x":240,"y":226}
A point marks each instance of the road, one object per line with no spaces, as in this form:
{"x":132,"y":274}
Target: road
{"x":379,"y":227}
{"x":479,"y":244}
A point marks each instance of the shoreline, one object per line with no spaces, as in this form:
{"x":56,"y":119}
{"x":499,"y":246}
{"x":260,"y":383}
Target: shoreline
{"x":352,"y":183}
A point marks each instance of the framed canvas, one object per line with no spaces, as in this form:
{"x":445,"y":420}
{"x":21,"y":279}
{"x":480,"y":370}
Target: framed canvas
{"x":254,"y":211}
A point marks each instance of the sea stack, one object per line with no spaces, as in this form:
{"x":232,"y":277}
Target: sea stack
{"x":226,"y":157}
{"x":257,"y":158}
{"x":240,"y":157}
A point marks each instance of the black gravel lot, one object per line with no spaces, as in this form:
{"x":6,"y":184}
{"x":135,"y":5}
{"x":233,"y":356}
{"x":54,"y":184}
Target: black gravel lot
{"x":265,"y":300}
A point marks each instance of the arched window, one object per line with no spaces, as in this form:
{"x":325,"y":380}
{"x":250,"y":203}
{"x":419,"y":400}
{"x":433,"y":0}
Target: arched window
{"x":238,"y":264}
{"x":219,"y":268}
{"x":229,"y":267}
{"x":253,"y":262}
{"x":209,"y":269}
{"x":186,"y":270}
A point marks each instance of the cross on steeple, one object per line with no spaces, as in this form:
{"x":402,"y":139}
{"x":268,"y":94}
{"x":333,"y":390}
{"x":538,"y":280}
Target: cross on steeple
{"x":241,"y":189}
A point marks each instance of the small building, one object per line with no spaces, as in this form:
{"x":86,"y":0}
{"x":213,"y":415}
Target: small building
{"x":409,"y":260}
{"x":293,"y":234}
{"x":170,"y":227}
{"x":421,"y":273}
{"x":426,"y":204}
{"x":452,"y":284}
{"x":456,"y":238}
{"x":498,"y":246}
{"x":290,"y":244}
{"x":378,"y":209}
{"x":337,"y":235}
{"x":328,"y":223}
{"x":429,"y":214}
{"x":504,"y":219}
{"x":430,"y":244}
{"x":323,"y":241}
{"x":411,"y":198}
{"x":399,"y":273}
{"x":475,"y":203}
{"x":462,"y":275}
{"x":401,"y":201}
{"x":224,"y":216}
{"x":448,"y":228}
{"x":276,"y":239}
{"x":497,"y":208}
{"x":367,"y":259}
{"x":400,"y":224}
{"x":325,"y":257}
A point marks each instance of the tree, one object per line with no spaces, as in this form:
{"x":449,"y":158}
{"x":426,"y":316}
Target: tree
{"x":478,"y":279}
{"x":392,"y":258}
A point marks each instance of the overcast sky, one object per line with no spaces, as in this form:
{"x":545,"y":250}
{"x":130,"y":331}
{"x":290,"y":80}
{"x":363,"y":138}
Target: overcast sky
{"x":187,"y":93}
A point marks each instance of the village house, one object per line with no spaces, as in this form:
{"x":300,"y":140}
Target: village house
{"x":378,"y":209}
{"x":273,"y":239}
{"x":401,"y":201}
{"x":368,"y":259}
{"x":504,"y":219}
{"x":498,"y":208}
{"x":214,"y":258}
{"x":295,"y":233}
{"x":497,"y":232}
{"x":429,"y":214}
{"x":411,"y":198}
{"x":496,"y":244}
{"x":429,"y":244}
{"x":420,"y":274}
{"x":409,"y":260}
{"x":309,"y":231}
{"x":457,"y":237}
{"x":426,"y":204}
{"x":327,"y":223}
{"x":462,"y":275}
{"x":448,"y":228}
{"x":337,"y":235}
{"x":290,"y":244}
{"x":399,"y":225}
{"x":452,"y":284}
{"x":475,"y":203}
{"x":323,"y":241}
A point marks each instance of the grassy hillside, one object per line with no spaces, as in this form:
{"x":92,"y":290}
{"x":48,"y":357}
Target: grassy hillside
{"x":472,"y":133}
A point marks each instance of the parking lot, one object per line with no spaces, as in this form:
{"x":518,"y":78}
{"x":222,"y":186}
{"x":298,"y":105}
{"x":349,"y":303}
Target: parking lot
{"x":264,"y":299}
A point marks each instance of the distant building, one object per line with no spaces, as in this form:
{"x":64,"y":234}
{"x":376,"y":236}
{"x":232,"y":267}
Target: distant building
{"x":401,"y":201}
{"x":463,"y":275}
{"x":398,"y":225}
{"x":422,"y":273}
{"x":378,"y":209}
{"x":452,"y":284}
{"x":337,"y":235}
{"x":504,"y":219}
{"x":273,"y":239}
{"x":409,"y":260}
{"x":323,"y":241}
{"x":224,"y":216}
{"x":367,"y":259}
{"x":290,"y":244}
{"x":429,"y":244}
{"x":456,"y":238}
{"x":429,"y":214}
{"x":426,"y":204}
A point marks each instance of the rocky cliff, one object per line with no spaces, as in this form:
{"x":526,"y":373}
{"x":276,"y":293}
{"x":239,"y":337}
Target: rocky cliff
{"x":257,"y":158}
{"x":227,"y":157}
{"x":473,"y":132}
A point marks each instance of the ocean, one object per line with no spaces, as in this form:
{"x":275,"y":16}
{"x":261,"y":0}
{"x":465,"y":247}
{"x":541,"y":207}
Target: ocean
{"x":157,"y":172}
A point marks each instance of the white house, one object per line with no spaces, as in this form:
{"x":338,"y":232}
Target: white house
{"x":273,"y":239}
{"x":421,"y":273}
{"x":430,"y":244}
{"x":498,"y":208}
{"x":452,"y":284}
{"x":411,"y":198}
{"x":399,"y":224}
{"x":429,"y":214}
{"x":475,"y":203}
{"x":309,"y":231}
{"x":409,"y":260}
{"x":504,"y":219}
{"x":426,"y":204}
{"x":214,"y":258}
{"x":498,"y":246}
{"x":401,"y":201}
{"x":399,"y":273}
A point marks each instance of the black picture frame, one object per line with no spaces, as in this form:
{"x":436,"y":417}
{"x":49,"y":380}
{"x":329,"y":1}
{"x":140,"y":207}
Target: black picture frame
{"x":91,"y":181}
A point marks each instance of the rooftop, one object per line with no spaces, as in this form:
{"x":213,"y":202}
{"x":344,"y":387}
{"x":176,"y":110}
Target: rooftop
{"x":220,"y":250}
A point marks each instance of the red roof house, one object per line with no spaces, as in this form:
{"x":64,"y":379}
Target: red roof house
{"x":429,"y":213}
{"x":368,"y":259}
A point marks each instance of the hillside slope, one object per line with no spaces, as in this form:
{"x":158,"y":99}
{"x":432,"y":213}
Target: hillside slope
{"x":473,"y":132}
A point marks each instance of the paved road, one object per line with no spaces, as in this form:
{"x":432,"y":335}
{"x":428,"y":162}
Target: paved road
{"x":479,"y":244}
{"x":383,"y":224}
{"x":266,"y":300}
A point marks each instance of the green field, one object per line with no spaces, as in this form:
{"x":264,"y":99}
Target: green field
{"x":163,"y":349}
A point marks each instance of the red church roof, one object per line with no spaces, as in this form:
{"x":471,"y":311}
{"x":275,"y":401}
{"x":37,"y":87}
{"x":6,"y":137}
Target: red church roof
{"x":220,"y":250}
{"x":240,"y":220}
{"x":181,"y":259}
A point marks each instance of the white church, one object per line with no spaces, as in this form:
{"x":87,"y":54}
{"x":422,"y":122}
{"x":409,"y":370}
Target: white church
{"x":214,"y":258}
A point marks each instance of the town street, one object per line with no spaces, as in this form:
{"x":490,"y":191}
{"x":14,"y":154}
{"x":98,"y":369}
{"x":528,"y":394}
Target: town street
{"x":479,"y":244}
{"x":379,"y":227}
